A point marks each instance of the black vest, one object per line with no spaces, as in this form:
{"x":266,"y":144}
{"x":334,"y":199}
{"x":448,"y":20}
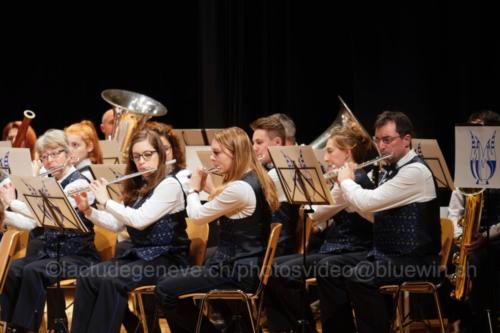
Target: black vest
{"x":413,"y":230}
{"x":490,"y":214}
{"x":167,"y":235}
{"x":350,"y":232}
{"x":246,"y":237}
{"x":71,"y":242}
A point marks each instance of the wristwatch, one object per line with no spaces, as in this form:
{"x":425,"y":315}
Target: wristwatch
{"x":192,"y":190}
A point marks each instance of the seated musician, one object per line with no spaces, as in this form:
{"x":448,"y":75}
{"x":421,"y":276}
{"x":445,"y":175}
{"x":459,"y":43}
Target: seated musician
{"x":24,"y":294}
{"x":243,"y":207}
{"x":153,"y":211}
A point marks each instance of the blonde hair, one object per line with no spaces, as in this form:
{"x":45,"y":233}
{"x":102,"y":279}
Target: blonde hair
{"x":86,"y":130}
{"x":52,"y":138}
{"x":237,"y":142}
{"x":352,"y":138}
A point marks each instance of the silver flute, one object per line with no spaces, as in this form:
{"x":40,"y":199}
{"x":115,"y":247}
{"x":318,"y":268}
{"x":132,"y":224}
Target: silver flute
{"x":332,"y":174}
{"x":114,"y":181}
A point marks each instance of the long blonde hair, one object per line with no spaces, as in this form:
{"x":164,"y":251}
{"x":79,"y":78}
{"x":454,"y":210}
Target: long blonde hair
{"x":237,"y":142}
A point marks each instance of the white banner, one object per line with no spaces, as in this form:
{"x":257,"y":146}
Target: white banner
{"x":476,"y":154}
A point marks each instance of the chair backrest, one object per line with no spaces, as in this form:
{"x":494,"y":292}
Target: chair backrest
{"x":22,"y":243}
{"x":7,"y":247}
{"x":198,"y":234}
{"x":446,"y":241}
{"x":267,"y":263}
{"x":105,"y":242}
{"x":300,"y":231}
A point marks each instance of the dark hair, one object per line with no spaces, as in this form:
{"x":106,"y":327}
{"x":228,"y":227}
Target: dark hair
{"x":273,"y":127}
{"x":137,"y":186}
{"x":487,"y":117}
{"x":403,"y":123}
{"x":167,"y":131}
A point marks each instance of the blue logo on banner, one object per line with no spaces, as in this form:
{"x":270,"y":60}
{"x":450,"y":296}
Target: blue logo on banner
{"x":483,"y":161}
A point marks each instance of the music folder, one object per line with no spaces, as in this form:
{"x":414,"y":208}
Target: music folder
{"x":38,"y":193}
{"x":196,"y":136}
{"x":110,"y":151}
{"x":16,"y":161}
{"x":110,"y":172}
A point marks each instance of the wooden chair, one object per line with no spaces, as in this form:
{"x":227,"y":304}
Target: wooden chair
{"x":401,"y":292}
{"x":105,"y":243}
{"x":250,"y":299}
{"x":198,"y":235}
{"x":8,"y":246}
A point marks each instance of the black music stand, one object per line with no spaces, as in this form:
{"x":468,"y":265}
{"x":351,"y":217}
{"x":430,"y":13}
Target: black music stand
{"x":302,"y":181}
{"x":51,"y":209}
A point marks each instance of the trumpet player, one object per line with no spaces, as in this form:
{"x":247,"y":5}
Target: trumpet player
{"x":24,"y":295}
{"x":406,"y":229}
{"x":269,"y":131}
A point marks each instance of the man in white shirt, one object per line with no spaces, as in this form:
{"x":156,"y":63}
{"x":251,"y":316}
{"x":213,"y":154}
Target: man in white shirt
{"x":406,"y":230}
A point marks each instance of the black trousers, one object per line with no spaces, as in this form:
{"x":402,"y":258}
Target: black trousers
{"x":25,"y":291}
{"x":182,"y":314}
{"x":101,"y":296}
{"x":374,"y":310}
{"x":334,"y":300}
{"x":285,"y":299}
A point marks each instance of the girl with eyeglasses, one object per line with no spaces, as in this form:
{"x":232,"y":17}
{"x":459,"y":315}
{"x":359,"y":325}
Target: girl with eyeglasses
{"x":243,"y":208}
{"x":153,"y":212}
{"x":84,"y":146}
{"x":24,"y":295}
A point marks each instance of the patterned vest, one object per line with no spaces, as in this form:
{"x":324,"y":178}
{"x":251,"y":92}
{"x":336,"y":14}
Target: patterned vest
{"x":71,"y":242}
{"x":413,"y":230}
{"x":246,"y":237}
{"x":167,"y":235}
{"x":350,"y":232}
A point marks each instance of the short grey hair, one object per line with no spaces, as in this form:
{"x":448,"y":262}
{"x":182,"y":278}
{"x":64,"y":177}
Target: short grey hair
{"x":53,"y":138}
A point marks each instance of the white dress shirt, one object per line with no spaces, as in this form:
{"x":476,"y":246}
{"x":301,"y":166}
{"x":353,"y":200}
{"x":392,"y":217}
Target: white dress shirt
{"x":273,"y":174}
{"x":167,"y":198}
{"x":236,"y":201}
{"x":413,"y":183}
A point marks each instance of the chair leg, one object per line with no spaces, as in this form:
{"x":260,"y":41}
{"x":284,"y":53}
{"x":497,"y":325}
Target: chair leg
{"x":438,"y":308}
{"x":200,"y":313}
{"x":142,"y":313}
{"x":250,"y":314}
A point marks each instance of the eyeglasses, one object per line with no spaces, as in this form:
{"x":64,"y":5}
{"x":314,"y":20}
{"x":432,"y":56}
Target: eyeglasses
{"x":53,"y":155}
{"x":386,"y":140}
{"x":145,"y":155}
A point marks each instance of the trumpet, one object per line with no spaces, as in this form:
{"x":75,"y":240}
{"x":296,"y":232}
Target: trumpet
{"x":114,"y":181}
{"x":332,"y":174}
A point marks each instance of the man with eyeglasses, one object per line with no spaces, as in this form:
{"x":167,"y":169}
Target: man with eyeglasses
{"x":406,"y":229}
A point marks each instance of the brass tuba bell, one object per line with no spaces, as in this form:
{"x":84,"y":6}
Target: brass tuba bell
{"x":344,"y":118}
{"x":131,"y":110}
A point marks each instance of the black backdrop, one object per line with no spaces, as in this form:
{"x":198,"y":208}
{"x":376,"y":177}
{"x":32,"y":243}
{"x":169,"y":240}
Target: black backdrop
{"x":217,"y":63}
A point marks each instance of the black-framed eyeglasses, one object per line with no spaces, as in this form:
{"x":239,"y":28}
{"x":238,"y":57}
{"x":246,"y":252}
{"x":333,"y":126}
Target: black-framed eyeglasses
{"x":146,"y":155}
{"x":387,"y":140}
{"x":53,"y":155}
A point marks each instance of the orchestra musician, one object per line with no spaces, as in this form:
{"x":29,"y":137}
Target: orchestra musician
{"x":24,"y":294}
{"x":243,"y":206}
{"x":153,"y":212}
{"x":406,"y":229}
{"x":347,"y":242}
